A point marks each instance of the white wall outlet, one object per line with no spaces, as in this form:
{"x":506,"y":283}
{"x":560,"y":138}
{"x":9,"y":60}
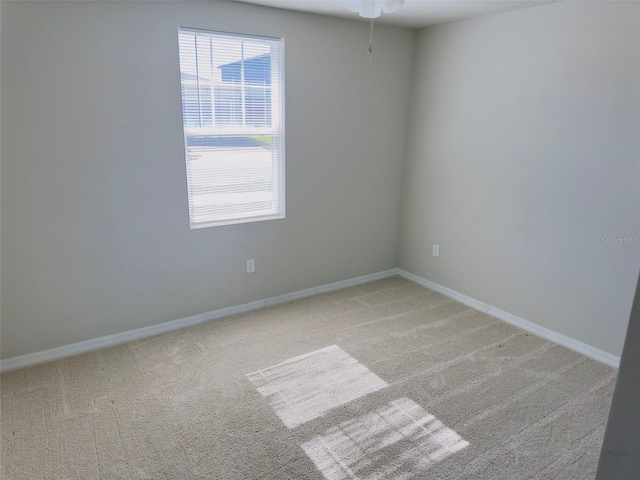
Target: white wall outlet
{"x":251,"y":265}
{"x":436,"y":250}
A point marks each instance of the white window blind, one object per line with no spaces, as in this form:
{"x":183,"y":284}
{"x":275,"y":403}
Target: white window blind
{"x":233,"y":119}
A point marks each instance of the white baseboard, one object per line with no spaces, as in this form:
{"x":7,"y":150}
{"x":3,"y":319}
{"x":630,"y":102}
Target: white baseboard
{"x":565,"y":341}
{"x":144,"y":332}
{"x":139,"y":333}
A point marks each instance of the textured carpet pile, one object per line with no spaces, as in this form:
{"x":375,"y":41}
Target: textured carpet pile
{"x":385,"y":380}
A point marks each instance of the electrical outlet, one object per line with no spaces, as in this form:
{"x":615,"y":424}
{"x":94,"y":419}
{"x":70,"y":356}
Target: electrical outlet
{"x":436,"y":250}
{"x":251,"y":265}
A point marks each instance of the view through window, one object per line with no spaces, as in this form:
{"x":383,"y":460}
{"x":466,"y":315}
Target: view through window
{"x":233,"y":119}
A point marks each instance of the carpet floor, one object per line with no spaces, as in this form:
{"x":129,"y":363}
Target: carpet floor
{"x":385,"y":380}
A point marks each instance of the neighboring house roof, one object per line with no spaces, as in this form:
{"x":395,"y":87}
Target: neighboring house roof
{"x":188,"y":76}
{"x":257,"y":70}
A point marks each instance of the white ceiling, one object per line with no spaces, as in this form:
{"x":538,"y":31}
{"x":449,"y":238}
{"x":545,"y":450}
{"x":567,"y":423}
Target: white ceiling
{"x":414,"y":13}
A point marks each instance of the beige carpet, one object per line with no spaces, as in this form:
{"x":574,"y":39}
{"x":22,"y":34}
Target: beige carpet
{"x":381,"y":381}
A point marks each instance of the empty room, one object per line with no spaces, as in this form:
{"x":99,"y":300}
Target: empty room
{"x":323,"y":239}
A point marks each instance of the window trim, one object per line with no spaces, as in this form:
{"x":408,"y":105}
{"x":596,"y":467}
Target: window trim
{"x":281,"y":135}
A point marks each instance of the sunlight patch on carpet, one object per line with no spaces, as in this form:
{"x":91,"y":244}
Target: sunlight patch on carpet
{"x":399,"y":440}
{"x":306,"y":387}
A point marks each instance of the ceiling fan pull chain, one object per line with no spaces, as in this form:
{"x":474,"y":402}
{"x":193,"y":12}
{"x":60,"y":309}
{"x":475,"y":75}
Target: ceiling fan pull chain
{"x":370,"y":49}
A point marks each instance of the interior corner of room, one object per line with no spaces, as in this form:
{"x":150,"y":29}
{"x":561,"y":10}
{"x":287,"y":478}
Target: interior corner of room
{"x":493,"y":160}
{"x":508,"y":140}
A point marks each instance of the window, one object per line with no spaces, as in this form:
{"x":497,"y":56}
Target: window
{"x":233,"y":120}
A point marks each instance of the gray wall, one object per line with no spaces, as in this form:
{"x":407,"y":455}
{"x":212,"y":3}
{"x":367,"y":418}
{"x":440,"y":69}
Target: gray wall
{"x":620,"y":456}
{"x":0,"y":171}
{"x":95,"y":227}
{"x":523,"y":153}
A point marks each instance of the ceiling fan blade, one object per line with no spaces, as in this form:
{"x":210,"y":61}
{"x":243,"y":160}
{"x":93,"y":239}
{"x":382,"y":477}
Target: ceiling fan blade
{"x":390,"y":6}
{"x":353,"y":5}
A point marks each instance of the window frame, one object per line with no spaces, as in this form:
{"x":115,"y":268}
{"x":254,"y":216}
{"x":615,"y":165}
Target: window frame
{"x":279,"y":135}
